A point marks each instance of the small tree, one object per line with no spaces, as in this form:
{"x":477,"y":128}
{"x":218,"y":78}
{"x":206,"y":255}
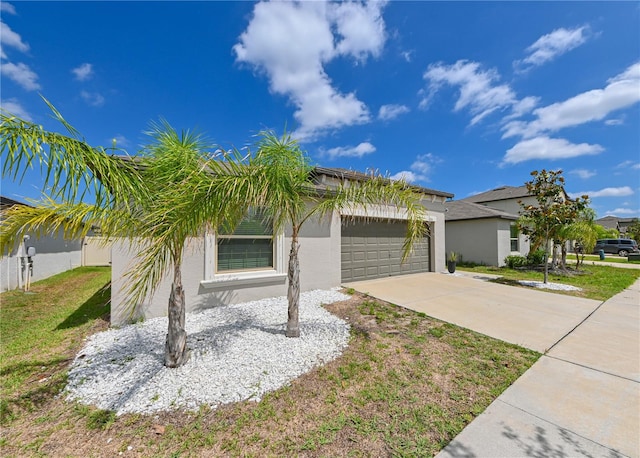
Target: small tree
{"x":290,"y":198}
{"x":583,"y":232}
{"x":543,"y":222}
{"x":172,"y":191}
{"x":606,"y":233}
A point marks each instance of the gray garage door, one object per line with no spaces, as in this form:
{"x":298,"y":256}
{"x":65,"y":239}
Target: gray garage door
{"x":374,"y":249}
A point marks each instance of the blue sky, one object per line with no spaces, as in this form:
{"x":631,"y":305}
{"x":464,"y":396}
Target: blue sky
{"x":455,"y":96}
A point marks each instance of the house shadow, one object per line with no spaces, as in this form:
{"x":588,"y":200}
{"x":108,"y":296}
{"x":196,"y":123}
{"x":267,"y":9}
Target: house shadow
{"x":97,"y":306}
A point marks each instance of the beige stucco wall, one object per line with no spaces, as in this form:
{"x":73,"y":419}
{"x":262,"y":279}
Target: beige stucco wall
{"x":319,"y":255}
{"x":511,"y":205}
{"x":475,"y":240}
{"x":483,"y":241}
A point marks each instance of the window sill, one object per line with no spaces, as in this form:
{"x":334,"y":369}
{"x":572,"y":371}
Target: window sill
{"x":225,"y":281}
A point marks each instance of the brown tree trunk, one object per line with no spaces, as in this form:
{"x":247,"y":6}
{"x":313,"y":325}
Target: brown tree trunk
{"x":175,"y":350}
{"x":293,"y":293}
{"x":546,"y":261}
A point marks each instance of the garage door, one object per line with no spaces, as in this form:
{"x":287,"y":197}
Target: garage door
{"x":373,"y":249}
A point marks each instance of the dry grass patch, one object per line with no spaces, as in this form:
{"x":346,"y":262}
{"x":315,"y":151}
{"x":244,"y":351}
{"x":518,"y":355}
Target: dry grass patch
{"x":405,"y":386}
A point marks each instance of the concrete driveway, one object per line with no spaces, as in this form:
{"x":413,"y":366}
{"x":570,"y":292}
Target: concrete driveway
{"x":582,"y":398}
{"x":530,"y":318}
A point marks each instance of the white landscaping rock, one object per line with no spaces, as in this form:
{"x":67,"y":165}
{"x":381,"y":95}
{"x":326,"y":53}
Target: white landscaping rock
{"x":553,"y":286}
{"x":238,"y":352}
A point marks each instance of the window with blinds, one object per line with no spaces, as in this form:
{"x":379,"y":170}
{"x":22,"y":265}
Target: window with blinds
{"x":249,"y":246}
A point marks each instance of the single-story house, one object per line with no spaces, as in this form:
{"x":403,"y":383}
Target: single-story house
{"x":333,"y":251}
{"x":53,"y":255}
{"x":481,"y":228}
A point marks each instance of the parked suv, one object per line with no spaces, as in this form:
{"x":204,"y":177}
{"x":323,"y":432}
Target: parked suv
{"x":621,"y":247}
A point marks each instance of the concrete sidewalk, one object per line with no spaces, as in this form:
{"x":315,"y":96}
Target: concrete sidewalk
{"x":582,"y":398}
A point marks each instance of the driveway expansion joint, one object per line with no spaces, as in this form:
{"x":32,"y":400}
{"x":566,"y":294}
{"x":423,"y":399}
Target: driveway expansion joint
{"x":574,"y":328}
{"x":593,"y":368}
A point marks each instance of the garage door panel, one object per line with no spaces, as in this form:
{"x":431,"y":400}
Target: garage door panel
{"x":374,"y":249}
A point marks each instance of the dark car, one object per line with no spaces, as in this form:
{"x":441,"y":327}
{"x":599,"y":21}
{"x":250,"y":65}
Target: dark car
{"x":621,"y":247}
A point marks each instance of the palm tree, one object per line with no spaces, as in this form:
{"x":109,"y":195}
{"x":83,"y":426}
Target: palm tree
{"x":583,"y":231}
{"x":290,"y":197}
{"x":173,"y":190}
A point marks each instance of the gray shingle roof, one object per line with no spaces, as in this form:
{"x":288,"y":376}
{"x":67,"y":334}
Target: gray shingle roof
{"x":359,"y":176}
{"x":458,"y":210}
{"x":501,"y":193}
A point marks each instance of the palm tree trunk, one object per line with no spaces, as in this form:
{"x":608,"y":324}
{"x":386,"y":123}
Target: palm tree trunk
{"x":546,"y":261}
{"x":175,"y":351}
{"x":293,"y":293}
{"x":563,"y":258}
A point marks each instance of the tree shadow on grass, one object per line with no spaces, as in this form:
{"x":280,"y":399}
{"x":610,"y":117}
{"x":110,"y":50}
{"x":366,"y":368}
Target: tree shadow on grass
{"x":97,"y":306}
{"x":42,"y":381}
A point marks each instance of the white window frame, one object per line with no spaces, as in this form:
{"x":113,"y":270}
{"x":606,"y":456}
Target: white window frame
{"x":516,"y":238}
{"x":257,"y":277}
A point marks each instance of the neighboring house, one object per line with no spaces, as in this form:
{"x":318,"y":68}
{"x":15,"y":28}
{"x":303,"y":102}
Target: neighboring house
{"x":481,"y":228}
{"x":482,"y":234}
{"x":53,"y":255}
{"x":334,"y":250}
{"x":619,"y":224}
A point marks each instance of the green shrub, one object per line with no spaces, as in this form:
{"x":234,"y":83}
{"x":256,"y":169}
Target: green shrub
{"x":537,"y":257}
{"x":514,"y":261}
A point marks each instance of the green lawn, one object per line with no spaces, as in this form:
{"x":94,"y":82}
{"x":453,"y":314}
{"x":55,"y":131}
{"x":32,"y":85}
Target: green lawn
{"x":42,"y":329}
{"x":406,"y":385}
{"x":596,"y":281}
{"x":596,"y":258}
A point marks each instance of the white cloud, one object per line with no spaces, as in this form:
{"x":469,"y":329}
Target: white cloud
{"x":552,"y":45}
{"x":406,"y":175}
{"x":388,"y":112}
{"x":92,"y":98}
{"x":622,"y":91}
{"x":548,"y":149}
{"x":419,"y":170}
{"x":615,"y":122}
{"x":407,"y":55}
{"x":629,"y":164}
{"x":12,"y":39}
{"x":606,"y":192}
{"x":361,"y":27}
{"x":7,"y":8}
{"x":291,"y":43}
{"x":120,"y":140}
{"x":623,"y":211}
{"x":15,"y":108}
{"x":21,"y":74}
{"x":83,"y":72}
{"x":362,"y":149}
{"x":477,"y":89}
{"x":583,"y":173}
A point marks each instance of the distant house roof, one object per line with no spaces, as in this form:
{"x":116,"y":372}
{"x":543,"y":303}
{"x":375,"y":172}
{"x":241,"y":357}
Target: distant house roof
{"x":502,"y":193}
{"x":346,"y":174}
{"x":613,"y":222}
{"x":6,"y":202}
{"x":459,"y":210}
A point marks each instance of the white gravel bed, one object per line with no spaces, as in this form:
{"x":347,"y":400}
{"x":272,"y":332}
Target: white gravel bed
{"x":554,"y":286}
{"x":238,"y":352}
